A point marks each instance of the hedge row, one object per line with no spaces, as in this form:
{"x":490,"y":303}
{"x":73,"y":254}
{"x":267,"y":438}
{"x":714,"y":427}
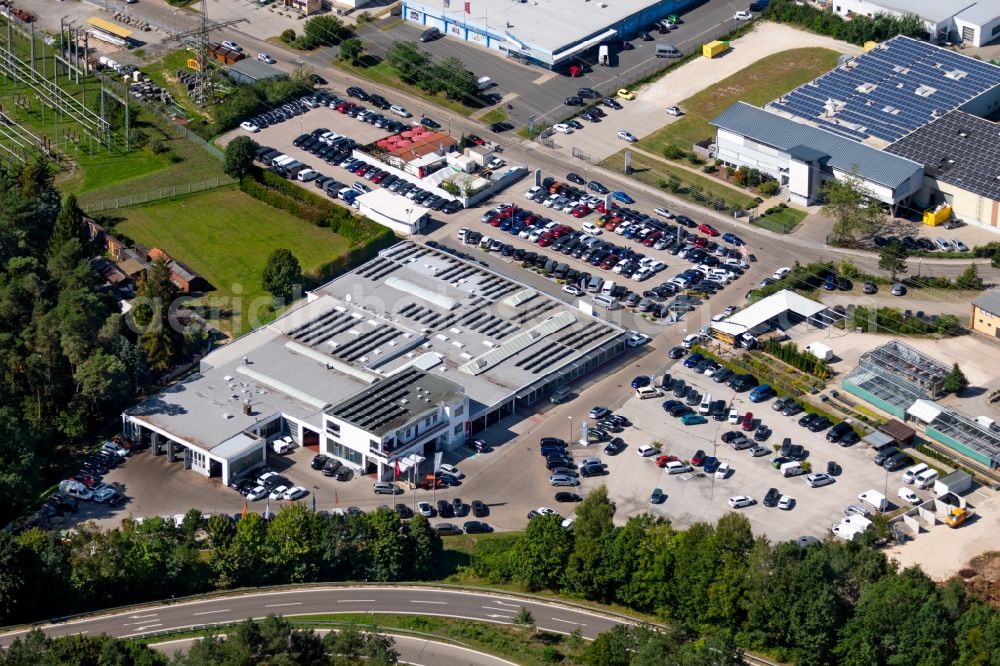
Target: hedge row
{"x":791,"y":355}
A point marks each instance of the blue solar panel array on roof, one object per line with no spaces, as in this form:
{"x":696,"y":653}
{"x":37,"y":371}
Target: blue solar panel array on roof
{"x":891,"y":90}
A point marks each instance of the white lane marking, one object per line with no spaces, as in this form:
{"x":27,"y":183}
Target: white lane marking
{"x":139,"y":617}
{"x":418,"y":601}
{"x":355,"y":601}
{"x":224,"y":610}
{"x":297,"y":603}
{"x":555,"y":619}
{"x":149,"y":626}
{"x":504,"y":603}
{"x":506,"y":617}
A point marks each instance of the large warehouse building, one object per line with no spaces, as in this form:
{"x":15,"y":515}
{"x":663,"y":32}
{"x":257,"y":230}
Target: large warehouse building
{"x":550,"y":33}
{"x":975,"y":22}
{"x":804,"y":157}
{"x":407,"y":355}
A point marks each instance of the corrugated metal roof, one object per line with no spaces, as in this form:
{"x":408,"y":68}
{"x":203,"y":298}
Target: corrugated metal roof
{"x":787,"y":135}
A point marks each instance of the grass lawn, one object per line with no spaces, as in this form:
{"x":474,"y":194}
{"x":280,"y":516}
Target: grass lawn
{"x":496,"y":115}
{"x":761,"y":82}
{"x":713,"y":194}
{"x":226,"y":236}
{"x":781,"y":221}
{"x":381,"y":72}
{"x":164,"y":74}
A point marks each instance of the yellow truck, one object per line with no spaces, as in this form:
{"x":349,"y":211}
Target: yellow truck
{"x":957,"y":516}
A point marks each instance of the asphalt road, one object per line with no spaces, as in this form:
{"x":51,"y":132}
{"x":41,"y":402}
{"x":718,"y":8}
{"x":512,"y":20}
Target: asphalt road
{"x":412,"y":650}
{"x":477,"y":606}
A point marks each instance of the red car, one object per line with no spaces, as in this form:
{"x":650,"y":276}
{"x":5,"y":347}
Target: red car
{"x":545,"y":240}
{"x":580,"y":211}
{"x":661,"y":461}
{"x":379,"y":177}
{"x":602,"y":209}
{"x":748,"y":421}
{"x":700,"y":242}
{"x":506,"y":212}
{"x":495,"y":221}
{"x":708,"y":230}
{"x":698,"y":458}
{"x":610,"y":262}
{"x":575,"y":71}
{"x":651,"y":239}
{"x":477,"y":141}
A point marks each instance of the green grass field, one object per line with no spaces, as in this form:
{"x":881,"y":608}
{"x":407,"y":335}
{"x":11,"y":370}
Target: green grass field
{"x":658,"y":173}
{"x":782,"y":221}
{"x":761,"y":82}
{"x":226,"y":236}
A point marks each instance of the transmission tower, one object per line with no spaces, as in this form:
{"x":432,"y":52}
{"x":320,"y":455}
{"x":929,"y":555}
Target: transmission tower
{"x":199,"y":39}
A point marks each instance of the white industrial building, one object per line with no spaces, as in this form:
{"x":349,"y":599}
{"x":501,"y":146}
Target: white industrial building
{"x":803,"y":157}
{"x":406,"y":356}
{"x":550,"y":33}
{"x":975,"y":22}
{"x":391,"y":210}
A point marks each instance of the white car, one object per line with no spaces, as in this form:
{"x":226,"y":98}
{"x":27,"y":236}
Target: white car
{"x":248,"y":126}
{"x":258,"y":493}
{"x":279,"y":493}
{"x":664,"y":212}
{"x":743,"y":15}
{"x":741,"y":501}
{"x":266,"y":57}
{"x":637,"y":340}
{"x":785,"y":503}
{"x":781,"y":272}
{"x":530,"y":194}
{"x":546,"y":511}
{"x":645,"y":451}
{"x":307,"y":175}
{"x":296,"y":492}
{"x":451,"y":469}
{"x":573,"y":290}
{"x":563,"y":128}
{"x":908,"y":495}
{"x":722,"y":471}
{"x":496,"y":164}
{"x":627,"y":136}
{"x":265,"y":476}
{"x":425,"y":509}
{"x":674,"y":110}
{"x":819,"y":480}
{"x":232,"y":46}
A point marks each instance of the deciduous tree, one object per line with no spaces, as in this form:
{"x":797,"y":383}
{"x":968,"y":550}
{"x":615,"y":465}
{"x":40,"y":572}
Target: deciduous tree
{"x":282,"y":275}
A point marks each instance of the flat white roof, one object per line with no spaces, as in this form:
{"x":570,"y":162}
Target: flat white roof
{"x":774,"y":305}
{"x":392,"y":205}
{"x":925,"y":410}
{"x":547,"y":25}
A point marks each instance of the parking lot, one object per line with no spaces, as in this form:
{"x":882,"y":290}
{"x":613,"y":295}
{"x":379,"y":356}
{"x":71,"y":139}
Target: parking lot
{"x":703,"y":497}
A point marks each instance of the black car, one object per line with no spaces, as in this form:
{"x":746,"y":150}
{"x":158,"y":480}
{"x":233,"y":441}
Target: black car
{"x":575,"y":178}
{"x":818,"y":424}
{"x":686,"y":221}
{"x":573,"y":101}
{"x":444,"y":509}
{"x":897,"y":462}
{"x":832,"y":468}
{"x":722,"y":375}
{"x":645,"y":36}
{"x":568,"y":497}
{"x":597,"y":187}
{"x":837,"y":432}
{"x":358,"y":93}
{"x":404,"y":511}
{"x":772,"y":497}
{"x":676,"y":352}
{"x":588,"y":93}
{"x":593,"y":470}
{"x":808,"y":419}
{"x":611,"y":103}
{"x":458,"y":506}
{"x":427,"y":122}
{"x":479,"y":509}
{"x":501,"y":127}
{"x":476,"y":527}
{"x":318,"y":461}
{"x":792,"y":408}
{"x":885,"y":454}
{"x":343,"y":474}
{"x":615,"y":446}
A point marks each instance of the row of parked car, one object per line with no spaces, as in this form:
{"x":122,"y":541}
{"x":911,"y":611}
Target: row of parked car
{"x":269,"y":485}
{"x":912,"y":244}
{"x":88,"y":484}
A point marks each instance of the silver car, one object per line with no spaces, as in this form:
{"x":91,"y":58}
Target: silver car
{"x":562,"y":480}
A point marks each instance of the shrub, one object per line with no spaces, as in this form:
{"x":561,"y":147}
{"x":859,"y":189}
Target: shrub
{"x":768,"y":187}
{"x":673,"y":153}
{"x":288,"y":36}
{"x":694,"y":159}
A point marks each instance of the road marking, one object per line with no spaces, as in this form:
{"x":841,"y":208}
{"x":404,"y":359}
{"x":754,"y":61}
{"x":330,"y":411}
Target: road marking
{"x":225,"y":610}
{"x":355,"y":601}
{"x":149,"y":626}
{"x":504,"y":603}
{"x":139,"y":617}
{"x":555,"y":619}
{"x":418,"y":601}
{"x":297,"y":603}
{"x":506,"y":617}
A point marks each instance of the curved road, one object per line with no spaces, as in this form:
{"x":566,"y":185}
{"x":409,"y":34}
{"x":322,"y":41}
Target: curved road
{"x":479,"y":606}
{"x":412,"y":650}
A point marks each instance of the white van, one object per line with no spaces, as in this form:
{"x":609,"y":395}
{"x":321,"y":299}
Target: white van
{"x":646,"y":392}
{"x":874,"y":499}
{"x":910,"y":475}
{"x":607,"y":302}
{"x":706,"y":404}
{"x":677,"y":467}
{"x":793,"y":468}
{"x":282,"y":161}
{"x":608,"y":287}
{"x":925,"y":479}
{"x":283,"y":445}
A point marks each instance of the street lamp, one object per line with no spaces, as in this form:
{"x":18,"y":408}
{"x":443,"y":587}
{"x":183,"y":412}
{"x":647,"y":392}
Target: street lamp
{"x":570,"y":440}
